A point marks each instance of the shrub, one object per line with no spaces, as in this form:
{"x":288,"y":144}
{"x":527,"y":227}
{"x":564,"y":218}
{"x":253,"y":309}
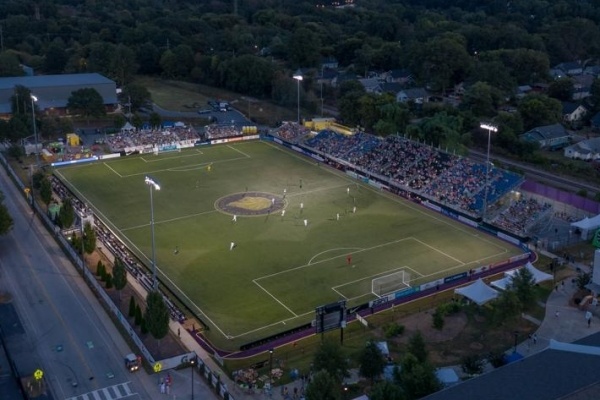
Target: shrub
{"x":497,"y":359}
{"x":99,"y":268}
{"x":393,"y":329}
{"x":472,"y":365}
{"x":138,"y":315}
{"x":132,"y":306}
{"x":109,"y":283}
{"x":438,"y":320}
{"x":143,"y":326}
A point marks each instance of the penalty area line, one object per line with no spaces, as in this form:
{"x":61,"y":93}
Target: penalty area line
{"x":274,"y":298}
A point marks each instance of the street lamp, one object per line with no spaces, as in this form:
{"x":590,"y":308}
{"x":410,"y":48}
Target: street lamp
{"x":490,"y":128}
{"x":153,"y":186}
{"x":298,"y":77}
{"x":193,"y":364}
{"x":37,"y":155}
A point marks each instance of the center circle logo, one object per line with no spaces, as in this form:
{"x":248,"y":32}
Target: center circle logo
{"x":250,"y":203}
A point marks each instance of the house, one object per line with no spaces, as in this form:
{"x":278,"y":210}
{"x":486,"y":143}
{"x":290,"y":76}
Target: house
{"x":548,"y":137}
{"x":416,"y":95}
{"x":556,"y":73}
{"x":371,"y":85}
{"x":391,"y":87}
{"x":593,"y":70}
{"x":402,"y":76}
{"x":570,"y":68}
{"x":327,"y":76}
{"x":342,"y":77}
{"x":582,"y":86}
{"x":523,"y":90}
{"x":573,"y":112}
{"x":329,"y":63}
{"x":587,"y":150}
{"x":595,"y":122}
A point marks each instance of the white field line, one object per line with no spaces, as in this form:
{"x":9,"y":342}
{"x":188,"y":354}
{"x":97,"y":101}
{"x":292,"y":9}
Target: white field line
{"x":188,"y":168}
{"x":327,"y":259}
{"x":239,"y":151}
{"x":439,"y":251}
{"x":316,"y":190}
{"x":140,"y":254}
{"x":165,"y":157}
{"x":168,"y":220}
{"x":403,"y":202}
{"x":274,"y":298}
{"x":112,"y":169}
{"x":336,"y":249}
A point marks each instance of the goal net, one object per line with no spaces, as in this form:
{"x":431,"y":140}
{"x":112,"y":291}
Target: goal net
{"x":387,"y":284}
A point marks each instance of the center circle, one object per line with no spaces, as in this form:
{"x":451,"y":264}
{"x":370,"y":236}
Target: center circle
{"x":250,"y":203}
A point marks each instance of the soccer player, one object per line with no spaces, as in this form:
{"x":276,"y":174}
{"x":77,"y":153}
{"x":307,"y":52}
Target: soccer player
{"x":305,"y":222}
{"x":209,"y":168}
{"x":354,"y":210}
{"x":282,"y":213}
{"x":349,"y":259}
{"x":231,"y":246}
{"x":234,"y":218}
{"x":348,"y":190}
{"x":337,"y":216}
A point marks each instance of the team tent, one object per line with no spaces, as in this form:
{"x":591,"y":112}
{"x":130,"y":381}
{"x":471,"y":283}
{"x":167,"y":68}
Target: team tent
{"x":587,"y":226}
{"x":478,"y":292}
{"x":538,"y":276}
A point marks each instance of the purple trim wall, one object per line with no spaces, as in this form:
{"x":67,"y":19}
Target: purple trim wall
{"x":571,"y":199}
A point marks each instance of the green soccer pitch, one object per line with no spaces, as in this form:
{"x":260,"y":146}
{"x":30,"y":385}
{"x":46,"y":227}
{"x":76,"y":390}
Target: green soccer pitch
{"x":280,"y":268}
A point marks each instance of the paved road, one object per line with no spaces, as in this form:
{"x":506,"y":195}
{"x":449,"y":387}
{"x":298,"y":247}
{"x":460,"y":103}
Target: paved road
{"x":58,"y":326}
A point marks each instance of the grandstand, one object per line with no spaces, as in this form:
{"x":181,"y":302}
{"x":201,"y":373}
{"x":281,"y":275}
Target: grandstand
{"x":433,"y":174}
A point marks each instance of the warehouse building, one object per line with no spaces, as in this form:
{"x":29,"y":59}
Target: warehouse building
{"x":53,"y":91}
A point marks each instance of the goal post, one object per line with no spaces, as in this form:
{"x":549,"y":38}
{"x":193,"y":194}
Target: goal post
{"x":387,"y":284}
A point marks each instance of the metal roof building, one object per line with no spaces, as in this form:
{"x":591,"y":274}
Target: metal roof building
{"x":53,"y":91}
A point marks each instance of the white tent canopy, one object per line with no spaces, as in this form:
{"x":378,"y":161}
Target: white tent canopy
{"x":538,"y":276}
{"x":127,"y":128}
{"x":587,"y":225}
{"x":478,"y":292}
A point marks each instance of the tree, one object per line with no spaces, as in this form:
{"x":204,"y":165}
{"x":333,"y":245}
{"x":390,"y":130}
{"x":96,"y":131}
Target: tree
{"x":304,"y":48}
{"x":137,"y":95}
{"x":539,"y":110}
{"x":323,"y":387}
{"x":131,"y":307}
{"x":66,"y":215}
{"x":417,"y":378}
{"x":138,"y":315}
{"x":86,"y":102}
{"x":6,"y":221}
{"x":371,"y":361}
{"x":56,"y":57}
{"x":561,"y":89}
{"x":9,"y":65}
{"x":119,"y":275}
{"x":46,"y":191}
{"x":156,"y":315}
{"x":482,"y":99}
{"x":89,"y":238}
{"x":108,"y":281}
{"x":523,"y":283}
{"x":386,"y":390}
{"x":330,"y":357}
{"x":123,"y":65}
{"x":155,"y":119}
{"x":416,"y":347}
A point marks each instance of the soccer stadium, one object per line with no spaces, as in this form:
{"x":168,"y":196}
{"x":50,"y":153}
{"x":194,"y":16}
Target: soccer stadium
{"x":252,"y":235}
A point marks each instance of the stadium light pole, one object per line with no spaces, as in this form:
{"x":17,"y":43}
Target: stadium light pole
{"x":153,"y":186}
{"x":193,"y":364}
{"x":490,"y":128}
{"x":37,"y":155}
{"x":271,"y":369}
{"x":298,"y":77}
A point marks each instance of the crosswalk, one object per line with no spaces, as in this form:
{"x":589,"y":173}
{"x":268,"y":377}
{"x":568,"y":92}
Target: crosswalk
{"x":107,"y":393}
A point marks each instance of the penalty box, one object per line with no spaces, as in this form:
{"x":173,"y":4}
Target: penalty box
{"x":334,"y":276}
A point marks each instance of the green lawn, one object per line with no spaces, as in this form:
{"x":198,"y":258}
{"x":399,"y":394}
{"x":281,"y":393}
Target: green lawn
{"x":280,"y":269}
